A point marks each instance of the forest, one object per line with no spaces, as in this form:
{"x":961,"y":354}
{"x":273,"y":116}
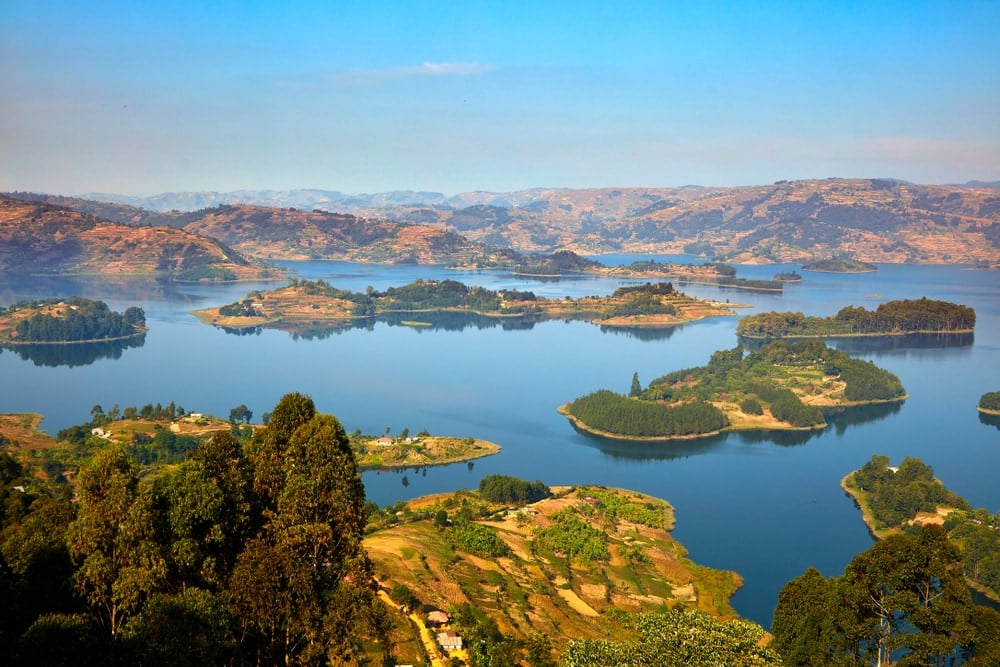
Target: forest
{"x":890,"y":318}
{"x":74,"y":319}
{"x":776,"y":377}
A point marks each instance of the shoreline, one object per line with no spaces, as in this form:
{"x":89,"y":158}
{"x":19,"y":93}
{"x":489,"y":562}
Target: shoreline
{"x":880,"y":334}
{"x":15,"y":343}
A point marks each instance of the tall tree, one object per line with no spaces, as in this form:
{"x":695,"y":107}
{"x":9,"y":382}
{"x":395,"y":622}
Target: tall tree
{"x":113,"y":540}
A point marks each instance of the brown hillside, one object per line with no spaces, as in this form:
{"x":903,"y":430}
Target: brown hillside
{"x":40,"y":238}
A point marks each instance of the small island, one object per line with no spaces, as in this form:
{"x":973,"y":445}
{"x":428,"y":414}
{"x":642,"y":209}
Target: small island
{"x":839,"y":265}
{"x":312,"y":302}
{"x":892,"y":318}
{"x":418,"y":451}
{"x":989,"y":403}
{"x":782,"y":386}
{"x":900,"y":499}
{"x":71,"y":320}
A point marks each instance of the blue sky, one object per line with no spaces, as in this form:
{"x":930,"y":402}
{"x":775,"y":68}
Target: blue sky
{"x":149,"y":97}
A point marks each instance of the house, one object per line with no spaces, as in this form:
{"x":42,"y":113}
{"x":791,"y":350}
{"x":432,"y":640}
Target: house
{"x":100,"y":432}
{"x":384,"y":442}
{"x":438,"y":617}
{"x":449,"y":641}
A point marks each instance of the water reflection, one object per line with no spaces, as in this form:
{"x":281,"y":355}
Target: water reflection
{"x":861,"y":345}
{"x":640,"y":450}
{"x":989,"y":420}
{"x":434,"y":321}
{"x":75,"y":354}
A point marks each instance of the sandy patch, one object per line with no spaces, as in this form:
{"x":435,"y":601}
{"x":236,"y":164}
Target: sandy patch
{"x":575,"y":603}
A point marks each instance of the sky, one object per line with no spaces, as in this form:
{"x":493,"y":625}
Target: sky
{"x":148,"y":97}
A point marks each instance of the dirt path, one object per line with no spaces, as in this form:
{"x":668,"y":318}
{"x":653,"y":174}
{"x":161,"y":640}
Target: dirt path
{"x":426,"y":634}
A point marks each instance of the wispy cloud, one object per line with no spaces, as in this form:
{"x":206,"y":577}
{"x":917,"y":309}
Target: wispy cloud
{"x":427,"y":69}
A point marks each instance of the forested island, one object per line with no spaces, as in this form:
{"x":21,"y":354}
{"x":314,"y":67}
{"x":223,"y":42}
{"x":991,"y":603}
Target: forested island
{"x":892,"y":318}
{"x":905,"y":598}
{"x":70,"y":320}
{"x":780,"y":386}
{"x":839,"y":265}
{"x":310,"y":302}
{"x":989,"y":403}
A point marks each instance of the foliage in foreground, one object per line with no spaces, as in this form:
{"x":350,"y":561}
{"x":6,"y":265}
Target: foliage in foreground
{"x":677,"y":638}
{"x":904,"y":600}
{"x":240,"y":555}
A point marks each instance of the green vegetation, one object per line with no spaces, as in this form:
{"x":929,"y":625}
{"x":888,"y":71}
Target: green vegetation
{"x":890,"y":318}
{"x":840,"y":265}
{"x":558,"y":263}
{"x":606,"y":411}
{"x":903,"y":598}
{"x":892,"y":499}
{"x":74,"y":319}
{"x":574,"y":538}
{"x":242,"y":554}
{"x":990,"y":401}
{"x":508,"y":490}
{"x":676,"y":638}
{"x":789,"y":381}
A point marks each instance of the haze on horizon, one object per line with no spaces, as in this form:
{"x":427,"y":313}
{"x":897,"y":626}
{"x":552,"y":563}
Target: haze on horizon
{"x":368,"y":97}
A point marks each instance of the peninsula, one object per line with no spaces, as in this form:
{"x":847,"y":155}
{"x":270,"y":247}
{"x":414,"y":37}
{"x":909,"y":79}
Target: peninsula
{"x":563,"y":563}
{"x":312,"y":302}
{"x":892,"y":318}
{"x":417,"y":451}
{"x":782,"y":386}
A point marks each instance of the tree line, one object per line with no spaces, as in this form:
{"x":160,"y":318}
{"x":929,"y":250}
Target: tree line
{"x":892,"y":317}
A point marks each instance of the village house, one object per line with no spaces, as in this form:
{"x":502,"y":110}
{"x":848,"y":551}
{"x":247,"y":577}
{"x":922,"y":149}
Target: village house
{"x":449,"y":641}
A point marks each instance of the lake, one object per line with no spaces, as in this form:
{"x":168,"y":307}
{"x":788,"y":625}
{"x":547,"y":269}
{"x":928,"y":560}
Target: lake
{"x":765,"y":505}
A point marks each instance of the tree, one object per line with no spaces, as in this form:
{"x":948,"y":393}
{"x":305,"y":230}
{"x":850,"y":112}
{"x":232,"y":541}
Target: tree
{"x":304,"y":584}
{"x":240,"y":413}
{"x":636,"y":390}
{"x":113,"y":541}
{"x":905,"y":594}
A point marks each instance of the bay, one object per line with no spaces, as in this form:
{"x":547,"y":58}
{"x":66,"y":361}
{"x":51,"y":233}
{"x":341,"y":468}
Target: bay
{"x":765,"y":505}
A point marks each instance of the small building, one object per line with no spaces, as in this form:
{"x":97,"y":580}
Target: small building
{"x":449,"y":641}
{"x":438,"y":617}
{"x":384,"y":442}
{"x":100,"y":432}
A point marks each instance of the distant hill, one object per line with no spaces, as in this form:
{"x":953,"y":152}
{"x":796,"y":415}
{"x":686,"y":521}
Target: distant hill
{"x":41,"y":238}
{"x":872,"y":220}
{"x":262,"y":231}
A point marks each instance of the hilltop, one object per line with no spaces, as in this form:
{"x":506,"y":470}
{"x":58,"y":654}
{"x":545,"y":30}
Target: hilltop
{"x":872,"y":220}
{"x":41,"y":238}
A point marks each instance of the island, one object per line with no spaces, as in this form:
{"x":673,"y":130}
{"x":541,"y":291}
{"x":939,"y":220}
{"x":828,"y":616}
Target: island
{"x":310,"y":302}
{"x":70,"y":320}
{"x":892,"y":318}
{"x":839,"y":265}
{"x":989,"y":403}
{"x":900,"y":499}
{"x":417,"y":451}
{"x":781,"y":386}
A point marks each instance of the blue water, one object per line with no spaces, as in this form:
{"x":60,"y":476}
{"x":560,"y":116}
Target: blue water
{"x":765,"y":505}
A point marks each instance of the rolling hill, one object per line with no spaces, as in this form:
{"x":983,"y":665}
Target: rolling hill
{"x":44,"y":239}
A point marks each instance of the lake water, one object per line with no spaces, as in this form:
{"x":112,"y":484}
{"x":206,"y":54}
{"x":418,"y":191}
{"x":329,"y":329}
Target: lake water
{"x":765,"y":505}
